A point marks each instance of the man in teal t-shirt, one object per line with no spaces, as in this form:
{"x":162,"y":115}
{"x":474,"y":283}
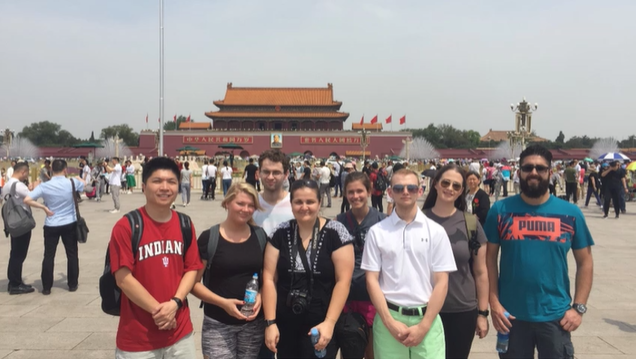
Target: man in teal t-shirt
{"x":535,"y":232}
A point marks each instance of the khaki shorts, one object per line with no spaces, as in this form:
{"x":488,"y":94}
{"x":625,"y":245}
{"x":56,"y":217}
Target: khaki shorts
{"x":183,"y":349}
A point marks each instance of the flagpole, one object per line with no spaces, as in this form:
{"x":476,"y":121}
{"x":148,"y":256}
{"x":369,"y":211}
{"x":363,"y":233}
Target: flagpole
{"x":161,"y":103}
{"x":391,"y":122}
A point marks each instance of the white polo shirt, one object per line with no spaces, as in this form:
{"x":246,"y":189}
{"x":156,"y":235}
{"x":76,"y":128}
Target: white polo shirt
{"x":407,"y":255}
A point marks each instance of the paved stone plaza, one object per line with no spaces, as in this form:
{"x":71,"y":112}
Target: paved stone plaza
{"x":72,"y":325}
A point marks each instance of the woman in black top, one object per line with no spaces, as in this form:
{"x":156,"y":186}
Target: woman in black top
{"x":477,"y":200}
{"x":292,"y":305}
{"x":227,"y":333}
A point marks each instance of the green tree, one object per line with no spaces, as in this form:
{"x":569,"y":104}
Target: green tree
{"x":47,"y":134}
{"x":560,"y":138}
{"x":171,"y":125}
{"x":125,"y":132}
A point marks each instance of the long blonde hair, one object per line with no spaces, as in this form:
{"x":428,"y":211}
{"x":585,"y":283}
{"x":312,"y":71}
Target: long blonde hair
{"x":242,"y":187}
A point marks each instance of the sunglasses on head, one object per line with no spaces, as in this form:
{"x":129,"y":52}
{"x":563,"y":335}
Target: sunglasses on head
{"x":399,"y":188}
{"x":445,"y":183}
{"x":539,"y":168}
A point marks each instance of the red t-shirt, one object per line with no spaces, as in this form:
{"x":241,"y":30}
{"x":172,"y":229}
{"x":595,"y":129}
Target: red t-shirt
{"x":159,"y":267}
{"x":373,"y":177}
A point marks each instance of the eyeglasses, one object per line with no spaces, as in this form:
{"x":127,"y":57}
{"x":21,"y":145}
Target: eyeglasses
{"x":273,"y":173}
{"x":540,"y":168}
{"x":445,"y":183}
{"x":399,"y":188}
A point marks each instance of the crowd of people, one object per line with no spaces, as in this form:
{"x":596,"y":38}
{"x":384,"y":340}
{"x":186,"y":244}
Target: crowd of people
{"x":409,"y":283}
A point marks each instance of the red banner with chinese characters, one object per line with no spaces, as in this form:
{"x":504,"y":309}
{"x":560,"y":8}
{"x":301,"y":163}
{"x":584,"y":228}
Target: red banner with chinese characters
{"x":330,"y":140}
{"x":239,"y":140}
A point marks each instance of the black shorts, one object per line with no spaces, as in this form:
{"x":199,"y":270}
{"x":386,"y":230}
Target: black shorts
{"x":550,"y":339}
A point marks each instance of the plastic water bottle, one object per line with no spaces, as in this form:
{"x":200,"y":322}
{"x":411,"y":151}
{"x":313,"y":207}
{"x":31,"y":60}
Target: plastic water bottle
{"x":315,"y":336}
{"x":251,"y":290}
{"x":503,"y":339}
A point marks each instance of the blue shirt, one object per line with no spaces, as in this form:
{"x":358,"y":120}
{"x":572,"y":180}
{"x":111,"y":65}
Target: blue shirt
{"x":58,"y":196}
{"x":534,"y":284}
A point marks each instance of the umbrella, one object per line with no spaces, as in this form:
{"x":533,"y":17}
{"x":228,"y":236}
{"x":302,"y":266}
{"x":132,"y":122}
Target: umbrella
{"x":231,"y":146}
{"x":395,"y":158}
{"x":429,"y":173}
{"x":92,"y":145}
{"x":587,"y":159}
{"x":613,"y":156}
{"x":631,"y":166}
{"x":295,"y":154}
{"x":187,"y":149}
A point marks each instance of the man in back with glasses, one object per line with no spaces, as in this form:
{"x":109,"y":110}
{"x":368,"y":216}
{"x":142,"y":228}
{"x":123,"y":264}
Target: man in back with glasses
{"x":535,"y":232}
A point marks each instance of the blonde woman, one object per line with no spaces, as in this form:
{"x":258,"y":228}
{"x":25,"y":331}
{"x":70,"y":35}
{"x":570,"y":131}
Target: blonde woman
{"x":235,"y":255}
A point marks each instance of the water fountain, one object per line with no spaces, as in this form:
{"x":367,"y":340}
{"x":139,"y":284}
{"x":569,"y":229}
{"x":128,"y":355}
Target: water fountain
{"x":420,"y":149}
{"x":602,"y":147}
{"x":21,"y":148}
{"x":507,"y":151}
{"x":113,"y":147}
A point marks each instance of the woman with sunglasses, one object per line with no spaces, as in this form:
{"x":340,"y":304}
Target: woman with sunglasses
{"x":227,"y":331}
{"x":306,"y":277}
{"x":358,"y":220}
{"x":477,"y":200}
{"x":465,"y":310}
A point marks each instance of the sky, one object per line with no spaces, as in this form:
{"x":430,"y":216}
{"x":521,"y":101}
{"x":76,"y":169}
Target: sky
{"x":89,"y":64}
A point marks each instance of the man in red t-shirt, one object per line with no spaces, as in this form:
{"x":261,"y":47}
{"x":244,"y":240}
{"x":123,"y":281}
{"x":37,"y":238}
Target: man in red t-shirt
{"x":376,"y":194}
{"x":154,"y":316}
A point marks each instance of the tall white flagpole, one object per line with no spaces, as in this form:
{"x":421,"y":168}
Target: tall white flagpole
{"x":161,"y":103}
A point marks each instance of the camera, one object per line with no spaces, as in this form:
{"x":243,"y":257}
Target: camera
{"x":298,"y":301}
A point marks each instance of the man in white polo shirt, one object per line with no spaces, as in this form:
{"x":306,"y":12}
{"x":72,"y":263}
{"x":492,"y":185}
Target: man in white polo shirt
{"x":407,"y":258}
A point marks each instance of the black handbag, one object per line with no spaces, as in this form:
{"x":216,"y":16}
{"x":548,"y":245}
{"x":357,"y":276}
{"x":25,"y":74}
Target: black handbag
{"x":81,"y":229}
{"x":352,"y":335}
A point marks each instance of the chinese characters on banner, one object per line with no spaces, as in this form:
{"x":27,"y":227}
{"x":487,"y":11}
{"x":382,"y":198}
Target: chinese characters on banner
{"x":239,"y":140}
{"x":330,"y":140}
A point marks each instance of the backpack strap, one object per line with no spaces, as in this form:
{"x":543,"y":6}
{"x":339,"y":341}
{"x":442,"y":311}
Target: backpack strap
{"x":186,"y":231}
{"x":261,"y":236}
{"x":470,"y":220}
{"x":136,"y":222}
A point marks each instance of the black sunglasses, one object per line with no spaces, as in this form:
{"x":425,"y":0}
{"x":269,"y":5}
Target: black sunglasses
{"x":411,"y":188}
{"x":539,"y":168}
{"x":303,"y":183}
{"x":445,"y":183}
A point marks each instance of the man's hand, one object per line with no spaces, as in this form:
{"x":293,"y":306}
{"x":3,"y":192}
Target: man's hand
{"x":571,"y":320}
{"x":415,"y":334}
{"x":48,"y":212}
{"x":165,"y":313}
{"x":499,"y":320}
{"x":398,"y":330}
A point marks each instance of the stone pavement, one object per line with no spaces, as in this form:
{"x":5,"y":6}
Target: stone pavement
{"x":72,"y":325}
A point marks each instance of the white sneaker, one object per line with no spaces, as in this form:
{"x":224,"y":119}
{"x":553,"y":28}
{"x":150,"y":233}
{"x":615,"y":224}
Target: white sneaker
{"x":114,"y":211}
{"x":129,"y":192}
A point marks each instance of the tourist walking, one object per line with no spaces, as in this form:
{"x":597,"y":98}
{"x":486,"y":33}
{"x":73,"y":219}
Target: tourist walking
{"x":614,"y":185}
{"x":186,"y":184}
{"x":205,"y":180}
{"x":347,"y":169}
{"x":226,"y":177}
{"x":306,"y":278}
{"x":465,"y":310}
{"x":250,"y":173}
{"x":61,"y":221}
{"x":228,"y":332}
{"x":114,"y":181}
{"x":212,"y":175}
{"x":535,"y":231}
{"x":155,"y":277}
{"x":131,"y":183}
{"x":324,"y":177}
{"x":477,"y":200}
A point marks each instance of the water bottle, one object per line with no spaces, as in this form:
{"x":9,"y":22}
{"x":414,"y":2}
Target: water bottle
{"x":315,"y":336}
{"x":503,"y":339}
{"x":251,"y":290}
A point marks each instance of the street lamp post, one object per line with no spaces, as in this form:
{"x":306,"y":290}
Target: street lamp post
{"x":364,"y":142}
{"x":161,"y":87}
{"x":407,"y":142}
{"x":523,"y":122}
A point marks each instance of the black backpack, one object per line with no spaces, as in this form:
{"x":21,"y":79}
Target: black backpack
{"x":108,"y":289}
{"x":381,"y":182}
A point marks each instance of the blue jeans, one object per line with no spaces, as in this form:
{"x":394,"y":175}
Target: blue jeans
{"x":591,"y":191}
{"x":226,"y":185}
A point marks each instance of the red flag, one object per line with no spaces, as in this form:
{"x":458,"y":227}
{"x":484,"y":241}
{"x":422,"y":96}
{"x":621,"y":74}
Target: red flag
{"x":388,"y":119}
{"x":362,"y":120}
{"x":188,"y":119}
{"x":374,"y":119}
{"x":159,"y":120}
{"x":146,"y":118}
{"x":402,"y":120}
{"x":175,"y":118}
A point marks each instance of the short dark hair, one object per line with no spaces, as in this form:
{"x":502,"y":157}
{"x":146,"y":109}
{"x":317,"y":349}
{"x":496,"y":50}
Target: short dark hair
{"x":58,"y":166}
{"x":20,"y":166}
{"x":115,"y":158}
{"x":186,"y":165}
{"x":536,"y":150}
{"x":251,"y":160}
{"x":159,"y":163}
{"x":358,"y":176}
{"x":473,"y":173}
{"x":431,"y":198}
{"x":274,"y":155}
{"x":311,"y":184}
{"x":374,"y":165}
{"x":47,"y":162}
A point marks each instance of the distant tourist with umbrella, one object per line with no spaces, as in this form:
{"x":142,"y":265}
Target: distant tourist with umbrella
{"x":613,"y":184}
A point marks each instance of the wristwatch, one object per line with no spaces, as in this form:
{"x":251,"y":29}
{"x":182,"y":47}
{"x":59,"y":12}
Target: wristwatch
{"x":178,"y":301}
{"x":269,"y":322}
{"x":485,"y":313}
{"x":580,"y":308}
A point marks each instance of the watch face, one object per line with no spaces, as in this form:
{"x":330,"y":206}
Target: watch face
{"x":581,"y":308}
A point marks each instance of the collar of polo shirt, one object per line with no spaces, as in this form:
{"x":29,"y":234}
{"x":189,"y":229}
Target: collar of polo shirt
{"x":419,"y":217}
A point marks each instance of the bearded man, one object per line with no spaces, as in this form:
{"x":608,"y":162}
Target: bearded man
{"x":535,"y":232}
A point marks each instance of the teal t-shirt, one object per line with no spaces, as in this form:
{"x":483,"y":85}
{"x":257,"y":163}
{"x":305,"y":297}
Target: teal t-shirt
{"x":534,"y":285}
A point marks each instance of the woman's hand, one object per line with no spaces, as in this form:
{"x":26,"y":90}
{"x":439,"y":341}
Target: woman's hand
{"x":482,"y":327}
{"x":271,"y":337}
{"x":230,"y":307}
{"x":326,"y":333}
{"x":256,"y":309}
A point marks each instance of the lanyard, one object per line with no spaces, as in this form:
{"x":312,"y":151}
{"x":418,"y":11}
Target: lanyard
{"x":297,"y":248}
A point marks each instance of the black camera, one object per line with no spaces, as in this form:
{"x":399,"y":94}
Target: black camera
{"x":298,"y":300}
